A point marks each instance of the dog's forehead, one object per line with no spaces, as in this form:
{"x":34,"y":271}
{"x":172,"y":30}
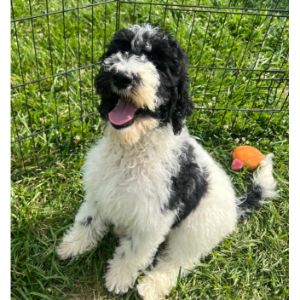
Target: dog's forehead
{"x":142,"y":36}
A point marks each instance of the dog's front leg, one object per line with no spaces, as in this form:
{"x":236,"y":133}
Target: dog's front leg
{"x":86,"y":231}
{"x":134,"y":254}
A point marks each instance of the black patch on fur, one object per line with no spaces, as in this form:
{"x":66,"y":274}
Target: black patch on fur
{"x":252,"y":200}
{"x":87,"y":221}
{"x":188,"y":186}
{"x":171,"y":64}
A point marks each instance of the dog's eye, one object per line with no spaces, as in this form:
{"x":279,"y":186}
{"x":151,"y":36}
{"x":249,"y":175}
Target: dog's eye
{"x":124,"y":46}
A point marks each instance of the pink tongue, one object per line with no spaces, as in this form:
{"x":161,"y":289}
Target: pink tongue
{"x":122,"y":113}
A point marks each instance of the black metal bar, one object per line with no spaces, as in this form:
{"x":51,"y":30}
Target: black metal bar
{"x":254,"y":66}
{"x":239,"y":109}
{"x":67,"y":72}
{"x":202,"y":48}
{"x":197,"y":107}
{"x":92,"y":75}
{"x":38,"y":74}
{"x":24,"y":89}
{"x":270,"y":61}
{"x":204,"y":8}
{"x":104,"y":37}
{"x":66,"y":67}
{"x":38,"y":132}
{"x":274,"y":103}
{"x":177,"y":22}
{"x":242,"y":59}
{"x":16,"y":129}
{"x":150,"y":12}
{"x":78,"y":67}
{"x":191,"y":67}
{"x":217,"y":51}
{"x":118,"y":11}
{"x":227,"y":58}
{"x":165,"y":13}
{"x":61,"y":11}
{"x":180,"y":6}
{"x":134,"y":12}
{"x":240,"y":69}
{"x":227,"y":12}
{"x":283,"y":89}
{"x":284,"y":103}
{"x":191,"y":32}
{"x":51,"y":61}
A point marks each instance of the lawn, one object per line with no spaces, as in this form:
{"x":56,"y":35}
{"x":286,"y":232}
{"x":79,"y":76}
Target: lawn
{"x":238,"y":70}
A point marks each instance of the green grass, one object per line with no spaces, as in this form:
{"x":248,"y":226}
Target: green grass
{"x":54,"y":122}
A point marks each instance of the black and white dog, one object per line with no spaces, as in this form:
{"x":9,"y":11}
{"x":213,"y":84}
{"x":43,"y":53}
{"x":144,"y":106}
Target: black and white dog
{"x":147,"y":176}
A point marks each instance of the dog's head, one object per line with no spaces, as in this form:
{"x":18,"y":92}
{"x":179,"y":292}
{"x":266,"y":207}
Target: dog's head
{"x":143,"y":82}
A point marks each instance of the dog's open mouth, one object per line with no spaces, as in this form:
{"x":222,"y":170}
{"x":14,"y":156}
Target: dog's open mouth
{"x":123,"y":114}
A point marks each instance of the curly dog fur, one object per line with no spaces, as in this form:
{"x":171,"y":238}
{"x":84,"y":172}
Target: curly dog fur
{"x":147,"y":176}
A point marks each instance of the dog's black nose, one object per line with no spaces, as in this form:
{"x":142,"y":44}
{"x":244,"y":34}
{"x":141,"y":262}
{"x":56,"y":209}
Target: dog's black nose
{"x":121,"y":80}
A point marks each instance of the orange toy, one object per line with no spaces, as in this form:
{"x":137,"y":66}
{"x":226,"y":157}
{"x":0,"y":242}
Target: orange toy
{"x":246,"y":156}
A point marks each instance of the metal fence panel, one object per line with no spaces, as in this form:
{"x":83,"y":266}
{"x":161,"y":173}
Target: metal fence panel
{"x":238,"y":52}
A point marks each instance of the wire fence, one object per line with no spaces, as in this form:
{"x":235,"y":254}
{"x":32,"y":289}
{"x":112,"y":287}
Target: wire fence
{"x":238,"y":52}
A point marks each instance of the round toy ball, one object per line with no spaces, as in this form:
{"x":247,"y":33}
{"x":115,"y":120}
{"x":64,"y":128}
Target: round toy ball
{"x":246,"y":156}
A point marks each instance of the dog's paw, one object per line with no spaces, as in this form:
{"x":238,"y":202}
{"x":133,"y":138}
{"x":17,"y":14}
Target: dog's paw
{"x":154,"y":287}
{"x":74,"y":243}
{"x":119,"y":278}
{"x":66,"y":250}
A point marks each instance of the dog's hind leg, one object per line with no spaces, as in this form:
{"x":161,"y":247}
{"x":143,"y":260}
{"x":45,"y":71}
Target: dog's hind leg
{"x":192,"y":240}
{"x":178,"y":259}
{"x":86,"y":231}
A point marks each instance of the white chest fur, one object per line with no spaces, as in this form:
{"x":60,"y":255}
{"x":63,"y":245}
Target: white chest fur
{"x":131,"y":184}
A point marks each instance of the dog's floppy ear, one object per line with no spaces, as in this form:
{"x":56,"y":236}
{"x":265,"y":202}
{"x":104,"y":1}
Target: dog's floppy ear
{"x":182,"y":106}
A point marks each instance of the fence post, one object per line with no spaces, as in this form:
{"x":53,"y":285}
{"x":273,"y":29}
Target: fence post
{"x":118,"y":15}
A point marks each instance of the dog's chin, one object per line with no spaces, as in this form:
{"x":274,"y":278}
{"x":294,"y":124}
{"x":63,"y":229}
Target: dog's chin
{"x":133,"y":132}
